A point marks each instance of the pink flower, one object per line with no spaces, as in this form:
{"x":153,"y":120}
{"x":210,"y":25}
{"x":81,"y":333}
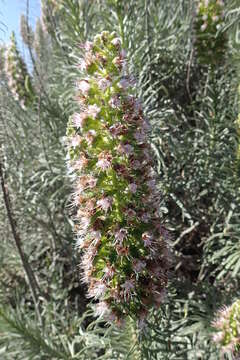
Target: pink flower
{"x":104,"y":161}
{"x":145,"y":217}
{"x":124,"y":84}
{"x":115,"y":102}
{"x":92,"y":182}
{"x":97,"y":290}
{"x":93,"y":110}
{"x":96,"y":235}
{"x":147,"y":239}
{"x":151,"y":184}
{"x":128,"y":285}
{"x":79,"y":119}
{"x":82,"y":65}
{"x":104,"y":84}
{"x":88,"y":45}
{"x":136,"y":164}
{"x":85,"y":222}
{"x":109,"y":272}
{"x":116,"y":42}
{"x":128,"y":288}
{"x":101,"y":309}
{"x":146,"y":126}
{"x":120,"y":235}
{"x":105,"y":203}
{"x":90,"y":136}
{"x":132,"y":188}
{"x":76,"y":140}
{"x":80,"y":163}
{"x":130,"y":213}
{"x":138,"y":265}
{"x":140,"y":136}
{"x":83,"y":86}
{"x":117,"y":129}
{"x":125,"y":149}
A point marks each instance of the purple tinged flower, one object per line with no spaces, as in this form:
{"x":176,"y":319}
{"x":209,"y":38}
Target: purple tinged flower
{"x":136,"y":164}
{"x":90,"y":136}
{"x":76,"y":141}
{"x":151,"y":184}
{"x":132,"y":188}
{"x":115,"y":102}
{"x":80,"y":163}
{"x":85,"y":222}
{"x":140,"y":136}
{"x":128,"y":288}
{"x":130,"y":213}
{"x":88,"y":45}
{"x":120,"y":235}
{"x":105,"y":203}
{"x":101,"y":309}
{"x":83,"y":86}
{"x":104,"y":161}
{"x":97,"y":290}
{"x":96,"y":235}
{"x":93,"y":111}
{"x":104,"y":84}
{"x":109,"y":272}
{"x":124,"y":84}
{"x":79,"y":119}
{"x":145,"y":217}
{"x":116,"y":42}
{"x":126,"y":149}
{"x":92,"y":182}
{"x":138,"y":265}
{"x":147,"y":239}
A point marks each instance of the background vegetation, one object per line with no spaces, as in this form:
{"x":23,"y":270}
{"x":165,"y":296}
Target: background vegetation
{"x":192,"y":103}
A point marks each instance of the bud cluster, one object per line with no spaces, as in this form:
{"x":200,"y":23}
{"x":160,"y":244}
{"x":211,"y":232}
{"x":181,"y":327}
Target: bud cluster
{"x":19,"y":81}
{"x":227,"y":325}
{"x":210,"y":44}
{"x":125,"y":257}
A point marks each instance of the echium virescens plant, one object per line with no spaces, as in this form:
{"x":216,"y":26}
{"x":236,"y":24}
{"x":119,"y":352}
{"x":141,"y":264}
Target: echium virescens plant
{"x":19,"y":80}
{"x":210,"y":43}
{"x":227,"y":326}
{"x":125,"y":258}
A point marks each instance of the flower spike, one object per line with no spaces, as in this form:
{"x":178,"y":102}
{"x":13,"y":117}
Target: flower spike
{"x":125,"y":259}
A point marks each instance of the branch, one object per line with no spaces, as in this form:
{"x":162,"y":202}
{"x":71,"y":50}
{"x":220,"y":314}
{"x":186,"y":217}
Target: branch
{"x":33,"y":285}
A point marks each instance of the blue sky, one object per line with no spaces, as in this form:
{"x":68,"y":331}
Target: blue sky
{"x":10,"y":11}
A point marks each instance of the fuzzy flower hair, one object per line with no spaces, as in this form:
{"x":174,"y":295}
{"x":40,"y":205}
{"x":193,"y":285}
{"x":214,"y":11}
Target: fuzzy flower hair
{"x":227,"y":325}
{"x":19,"y":80}
{"x":125,"y":257}
{"x":210,"y":45}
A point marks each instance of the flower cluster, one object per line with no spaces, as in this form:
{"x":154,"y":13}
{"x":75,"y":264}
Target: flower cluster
{"x":210,"y":45}
{"x":125,"y":257}
{"x":19,"y":80}
{"x":227,"y":325}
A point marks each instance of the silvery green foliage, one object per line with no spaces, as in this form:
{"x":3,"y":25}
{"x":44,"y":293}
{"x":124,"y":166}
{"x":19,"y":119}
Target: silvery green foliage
{"x":192,"y":111}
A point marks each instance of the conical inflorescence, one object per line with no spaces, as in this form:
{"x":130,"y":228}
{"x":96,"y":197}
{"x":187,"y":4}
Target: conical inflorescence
{"x":125,"y":258}
{"x":227,"y":325}
{"x":19,"y":80}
